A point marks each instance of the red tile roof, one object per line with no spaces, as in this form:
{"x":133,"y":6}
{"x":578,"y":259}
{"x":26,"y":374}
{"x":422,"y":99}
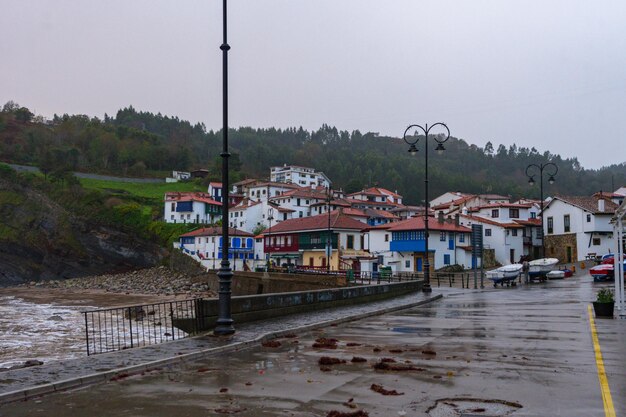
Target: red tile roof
{"x":338,"y":220}
{"x":191,"y":196}
{"x":502,"y":205}
{"x":589,"y":204}
{"x":529,"y":222}
{"x":479,"y":219}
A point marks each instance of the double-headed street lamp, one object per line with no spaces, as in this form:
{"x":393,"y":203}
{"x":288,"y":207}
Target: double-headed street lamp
{"x":531,"y":180}
{"x":270,"y":217}
{"x":224,"y":325}
{"x":411,"y":140}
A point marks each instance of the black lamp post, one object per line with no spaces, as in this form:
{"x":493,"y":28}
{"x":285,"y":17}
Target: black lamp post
{"x":224,"y":325}
{"x":531,"y":180}
{"x":270,"y":217}
{"x":329,"y":246}
{"x":411,"y":140}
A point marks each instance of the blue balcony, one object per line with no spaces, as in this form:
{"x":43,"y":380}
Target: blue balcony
{"x":407,"y":245}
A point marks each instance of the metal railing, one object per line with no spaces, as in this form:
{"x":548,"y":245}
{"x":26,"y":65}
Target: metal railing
{"x":112,"y":329}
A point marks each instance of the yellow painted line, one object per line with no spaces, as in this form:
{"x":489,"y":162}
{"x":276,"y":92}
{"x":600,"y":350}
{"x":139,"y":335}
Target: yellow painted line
{"x":609,"y":410}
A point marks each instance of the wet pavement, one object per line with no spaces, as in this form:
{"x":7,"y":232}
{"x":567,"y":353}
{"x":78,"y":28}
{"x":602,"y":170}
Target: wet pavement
{"x":520,"y":351}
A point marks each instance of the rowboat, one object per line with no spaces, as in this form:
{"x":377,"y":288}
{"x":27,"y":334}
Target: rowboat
{"x":504,"y":275}
{"x":540,"y":267}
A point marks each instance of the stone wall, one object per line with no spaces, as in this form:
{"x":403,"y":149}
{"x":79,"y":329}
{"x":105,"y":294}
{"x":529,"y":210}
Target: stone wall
{"x":489,"y":258}
{"x":556,"y":246}
{"x":261,"y":307}
{"x":250,"y":283}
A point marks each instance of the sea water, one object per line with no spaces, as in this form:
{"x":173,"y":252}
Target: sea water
{"x":44,"y":332}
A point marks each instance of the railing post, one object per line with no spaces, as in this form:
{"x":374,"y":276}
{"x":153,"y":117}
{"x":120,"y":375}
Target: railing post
{"x":86,"y":332}
{"x":130,"y":324}
{"x":172,"y":319}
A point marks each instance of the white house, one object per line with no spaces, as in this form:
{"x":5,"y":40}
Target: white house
{"x":191,"y":207}
{"x":401,"y":245}
{"x":300,"y":201}
{"x":458,"y":206}
{"x":205,"y":246}
{"x":178,"y":176}
{"x":578,"y":227}
{"x":250,"y":215}
{"x":504,"y":236}
{"x":447,"y":197}
{"x":262,"y":191}
{"x":302,"y":176}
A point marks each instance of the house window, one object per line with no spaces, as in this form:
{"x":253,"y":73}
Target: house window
{"x":495,"y":213}
{"x":588,"y":218}
{"x":566,"y":227}
{"x":442,"y":236}
{"x":514,"y":232}
{"x":172,"y":217}
{"x":533,"y":215}
{"x":386,"y":237}
{"x":487,"y":232}
{"x":173,"y":206}
{"x":550,"y":225}
{"x":350,"y":242}
{"x":461,"y":237}
{"x":407,"y":264}
{"x":596,"y":241}
{"x":514,"y":213}
{"x":446,"y":259}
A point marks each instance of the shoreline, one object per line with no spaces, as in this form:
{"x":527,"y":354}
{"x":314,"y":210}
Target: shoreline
{"x":91,"y":297}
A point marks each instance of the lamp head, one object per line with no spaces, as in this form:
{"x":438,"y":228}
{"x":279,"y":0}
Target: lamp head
{"x":531,"y":181}
{"x":551,"y":179}
{"x":440,"y":148}
{"x":412,"y":150}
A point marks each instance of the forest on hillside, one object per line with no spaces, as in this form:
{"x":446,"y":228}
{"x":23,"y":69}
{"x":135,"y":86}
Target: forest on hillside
{"x":136,"y":143}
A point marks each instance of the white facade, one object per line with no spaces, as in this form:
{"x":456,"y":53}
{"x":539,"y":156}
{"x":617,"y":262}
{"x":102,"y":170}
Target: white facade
{"x":249,"y":215}
{"x":446,"y":198}
{"x":193,"y":212}
{"x":594,"y":234}
{"x":299,"y":203}
{"x":505,"y":239}
{"x":302,"y":176}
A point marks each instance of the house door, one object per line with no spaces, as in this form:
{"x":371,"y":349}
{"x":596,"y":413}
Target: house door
{"x":569,"y":254}
{"x":418,"y":263}
{"x":512,"y":256}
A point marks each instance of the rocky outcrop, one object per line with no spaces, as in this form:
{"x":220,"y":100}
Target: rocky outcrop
{"x":41,"y":240}
{"x":157,"y":281}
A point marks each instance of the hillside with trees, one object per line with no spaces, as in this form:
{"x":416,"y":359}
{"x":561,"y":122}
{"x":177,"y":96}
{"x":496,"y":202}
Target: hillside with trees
{"x":135,"y":143}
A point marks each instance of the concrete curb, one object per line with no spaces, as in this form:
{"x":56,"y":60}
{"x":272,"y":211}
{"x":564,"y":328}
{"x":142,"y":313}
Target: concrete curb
{"x":101,"y":377}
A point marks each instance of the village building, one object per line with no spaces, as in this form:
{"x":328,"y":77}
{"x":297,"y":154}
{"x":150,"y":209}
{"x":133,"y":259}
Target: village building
{"x":303,"y":242}
{"x":302,"y":176}
{"x":401,"y":245}
{"x":191,"y":207}
{"x":205,"y":246}
{"x":577,"y":228}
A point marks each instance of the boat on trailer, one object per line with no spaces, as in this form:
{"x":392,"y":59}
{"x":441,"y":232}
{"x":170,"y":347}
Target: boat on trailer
{"x":539,"y":268}
{"x":504,"y":275}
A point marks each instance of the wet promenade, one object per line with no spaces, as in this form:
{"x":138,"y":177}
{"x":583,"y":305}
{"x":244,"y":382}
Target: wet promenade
{"x":522,"y":351}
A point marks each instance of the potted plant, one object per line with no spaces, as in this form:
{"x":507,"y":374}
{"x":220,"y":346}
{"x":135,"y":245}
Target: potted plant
{"x":604,"y":304}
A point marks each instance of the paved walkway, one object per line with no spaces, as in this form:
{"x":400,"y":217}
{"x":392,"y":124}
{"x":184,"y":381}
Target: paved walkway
{"x":56,"y":376}
{"x":522,"y":351}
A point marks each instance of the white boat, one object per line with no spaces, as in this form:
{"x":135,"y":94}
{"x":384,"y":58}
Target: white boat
{"x":507,"y":271}
{"x":540,"y":267}
{"x":504,"y":275}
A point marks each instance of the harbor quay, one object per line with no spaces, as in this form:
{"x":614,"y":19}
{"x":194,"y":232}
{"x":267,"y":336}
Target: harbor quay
{"x":527,"y":350}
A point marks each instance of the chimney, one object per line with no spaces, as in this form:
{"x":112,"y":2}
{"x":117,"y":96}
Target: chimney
{"x":601,"y":204}
{"x":440,"y":217}
{"x":457,"y":220}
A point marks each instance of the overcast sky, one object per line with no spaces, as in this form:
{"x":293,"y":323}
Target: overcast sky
{"x":549,"y":74}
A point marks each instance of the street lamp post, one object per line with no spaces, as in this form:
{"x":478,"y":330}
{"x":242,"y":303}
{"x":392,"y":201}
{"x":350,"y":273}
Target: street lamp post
{"x":270,"y":217}
{"x":329,"y":239}
{"x":411,"y":140}
{"x":224,"y":325}
{"x":531,"y":180}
